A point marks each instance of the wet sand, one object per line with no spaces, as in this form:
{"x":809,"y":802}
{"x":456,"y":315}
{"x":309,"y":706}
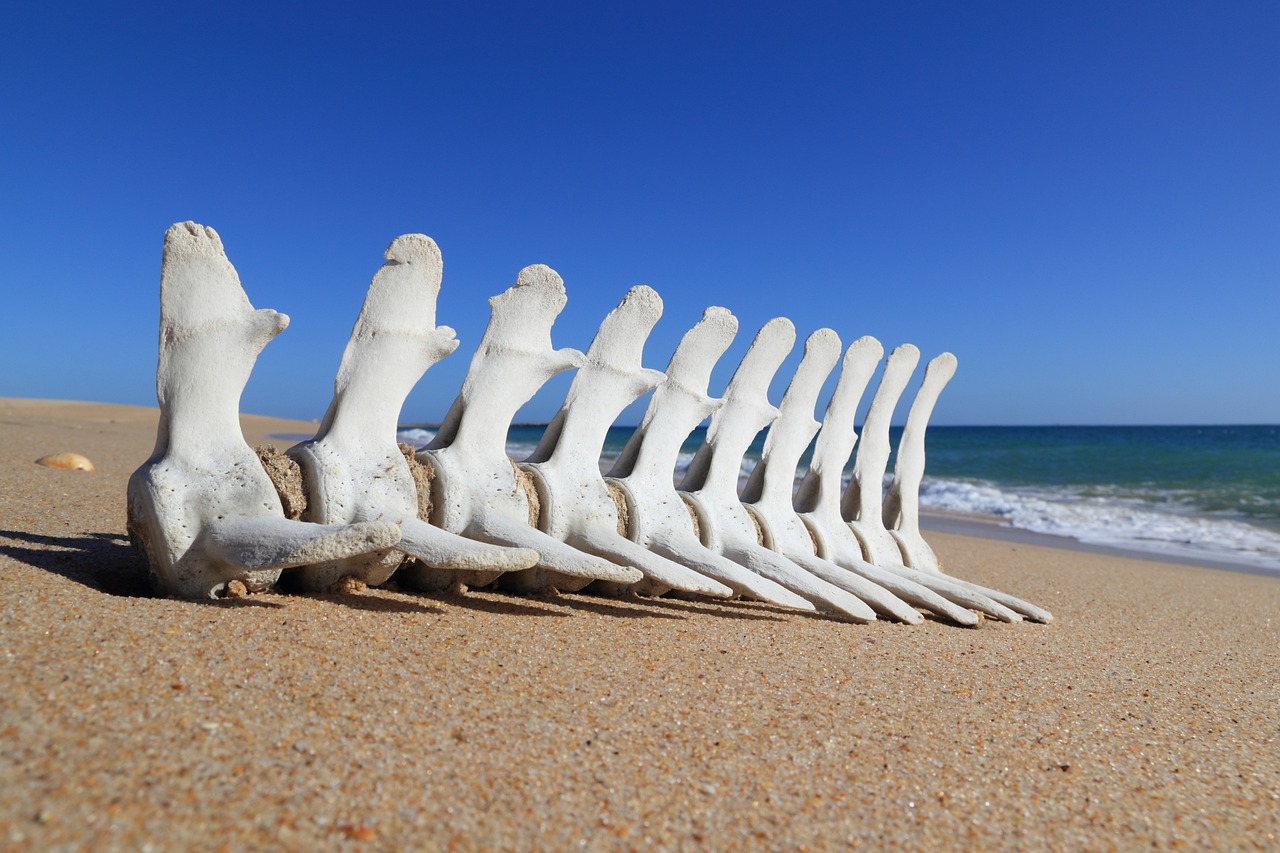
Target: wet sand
{"x":1147,"y":713}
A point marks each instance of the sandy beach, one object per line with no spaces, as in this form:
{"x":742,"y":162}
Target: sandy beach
{"x":1145,"y":715}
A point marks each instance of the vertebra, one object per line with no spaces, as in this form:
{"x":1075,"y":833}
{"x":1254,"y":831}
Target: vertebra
{"x":204,"y":512}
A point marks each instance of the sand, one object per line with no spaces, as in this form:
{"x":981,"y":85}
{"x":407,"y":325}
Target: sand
{"x":1146,"y":715}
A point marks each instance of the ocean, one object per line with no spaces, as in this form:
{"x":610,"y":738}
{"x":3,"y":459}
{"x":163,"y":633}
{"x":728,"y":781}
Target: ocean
{"x":1197,"y":493}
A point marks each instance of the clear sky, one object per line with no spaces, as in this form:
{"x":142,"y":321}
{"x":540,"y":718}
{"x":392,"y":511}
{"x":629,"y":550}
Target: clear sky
{"x":1080,"y":200}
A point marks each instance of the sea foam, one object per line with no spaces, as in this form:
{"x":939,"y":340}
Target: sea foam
{"x":1122,"y":522}
{"x":416,"y":437}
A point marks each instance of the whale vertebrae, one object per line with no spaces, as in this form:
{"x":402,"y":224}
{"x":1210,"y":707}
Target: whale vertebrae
{"x":210,"y":520}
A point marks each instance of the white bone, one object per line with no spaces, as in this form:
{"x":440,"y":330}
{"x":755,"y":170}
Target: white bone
{"x":205,"y":514}
{"x":863,"y":500}
{"x":658,"y":518}
{"x":477,"y":491}
{"x":768,"y":494}
{"x":817,"y":502}
{"x":576,"y":506}
{"x":711,"y":483}
{"x":901,"y":510}
{"x":819,"y":498}
{"x":201,"y":508}
{"x":353,"y":469}
{"x":864,"y":497}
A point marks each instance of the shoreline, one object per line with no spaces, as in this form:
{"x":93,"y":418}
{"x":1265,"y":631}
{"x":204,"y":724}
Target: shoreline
{"x":1143,"y":715}
{"x":987,"y":527}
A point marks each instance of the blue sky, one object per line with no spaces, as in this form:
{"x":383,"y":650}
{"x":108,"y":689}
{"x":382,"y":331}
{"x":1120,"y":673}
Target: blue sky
{"x":1080,"y":200}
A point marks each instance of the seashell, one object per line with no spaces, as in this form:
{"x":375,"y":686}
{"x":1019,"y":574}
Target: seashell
{"x":73,"y":461}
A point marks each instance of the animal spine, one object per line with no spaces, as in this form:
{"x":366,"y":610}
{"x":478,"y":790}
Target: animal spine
{"x":204,"y":513}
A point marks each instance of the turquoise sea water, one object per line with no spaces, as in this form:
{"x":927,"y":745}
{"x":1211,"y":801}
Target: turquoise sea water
{"x":1200,"y":492}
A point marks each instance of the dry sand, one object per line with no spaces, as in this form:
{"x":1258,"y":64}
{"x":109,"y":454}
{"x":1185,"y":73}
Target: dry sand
{"x":1147,"y":714}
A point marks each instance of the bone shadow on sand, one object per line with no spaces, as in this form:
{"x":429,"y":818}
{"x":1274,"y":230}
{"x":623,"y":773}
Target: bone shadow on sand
{"x":739,"y":609}
{"x":374,"y":603}
{"x":561,"y":604}
{"x":104,"y":562}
